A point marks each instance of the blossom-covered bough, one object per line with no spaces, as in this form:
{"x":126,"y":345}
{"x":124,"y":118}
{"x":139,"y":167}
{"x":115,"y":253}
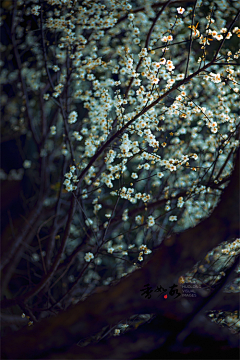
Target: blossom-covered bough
{"x":131,"y":111}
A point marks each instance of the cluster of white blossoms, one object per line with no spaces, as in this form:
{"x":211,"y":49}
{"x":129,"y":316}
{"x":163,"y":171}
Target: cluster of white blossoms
{"x":88,"y":256}
{"x":143,"y":250}
{"x":180,"y":202}
{"x":36,"y":10}
{"x":71,"y":179}
{"x":53,"y":130}
{"x":141,"y":119}
{"x":233,"y":248}
{"x":72,"y":118}
{"x":150,"y":221}
{"x":125,"y":215}
{"x":216,"y":78}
